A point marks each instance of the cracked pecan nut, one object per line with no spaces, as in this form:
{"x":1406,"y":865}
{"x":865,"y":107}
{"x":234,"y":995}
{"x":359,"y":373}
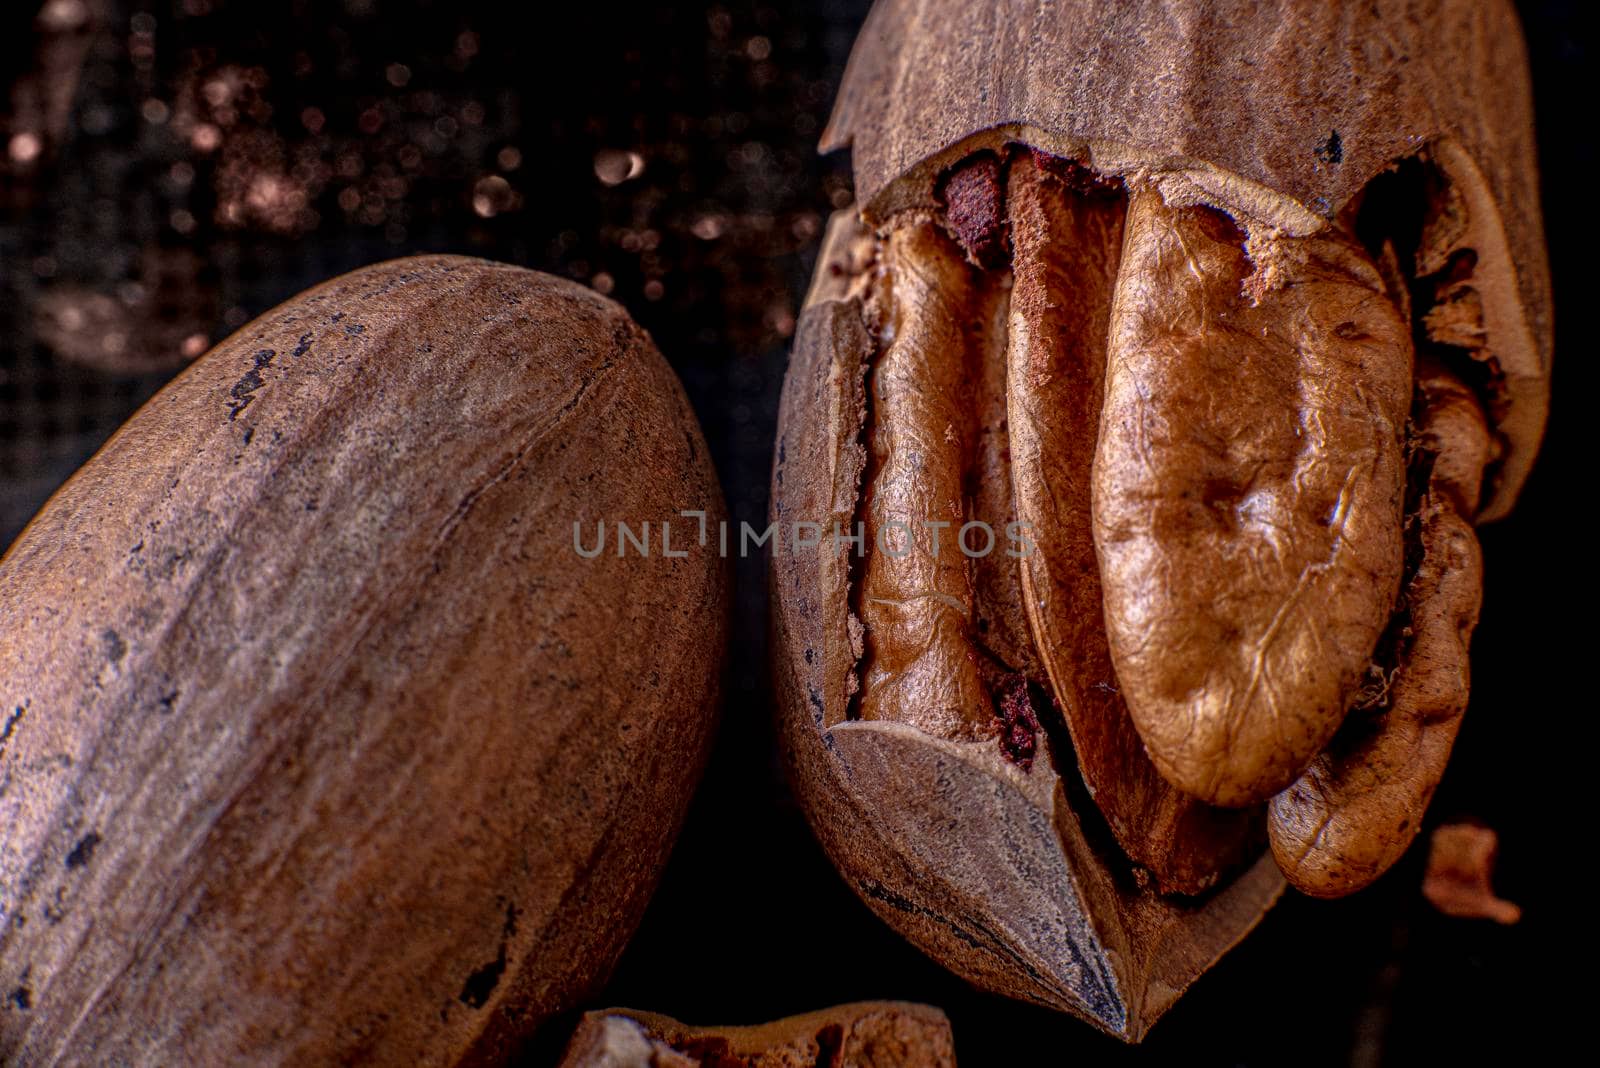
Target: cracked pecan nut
{"x":319,"y":743}
{"x":1235,"y":373}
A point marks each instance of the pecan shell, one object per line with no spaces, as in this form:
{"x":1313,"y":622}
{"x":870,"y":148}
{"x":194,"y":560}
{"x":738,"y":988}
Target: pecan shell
{"x":321,"y":744}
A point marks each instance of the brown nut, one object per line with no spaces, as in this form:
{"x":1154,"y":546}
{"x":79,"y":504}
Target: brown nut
{"x":1248,"y":487}
{"x":872,"y":1034}
{"x":1167,"y":332}
{"x":321,"y":743}
{"x":1356,"y":809}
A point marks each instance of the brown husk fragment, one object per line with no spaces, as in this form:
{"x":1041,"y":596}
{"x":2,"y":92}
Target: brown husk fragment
{"x":321,"y":742}
{"x":1460,"y":876}
{"x":872,"y":1034}
{"x":989,"y":867}
{"x":1280,"y":117}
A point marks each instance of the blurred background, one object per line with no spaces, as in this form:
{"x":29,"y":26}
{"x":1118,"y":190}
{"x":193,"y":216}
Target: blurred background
{"x":170,"y":170}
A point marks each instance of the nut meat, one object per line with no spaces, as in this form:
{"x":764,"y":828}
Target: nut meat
{"x":1222,"y":382}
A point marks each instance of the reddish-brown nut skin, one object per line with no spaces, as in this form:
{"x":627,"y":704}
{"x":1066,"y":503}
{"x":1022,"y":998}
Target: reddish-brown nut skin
{"x":1248,"y":489}
{"x":322,"y":744}
{"x":973,"y":196}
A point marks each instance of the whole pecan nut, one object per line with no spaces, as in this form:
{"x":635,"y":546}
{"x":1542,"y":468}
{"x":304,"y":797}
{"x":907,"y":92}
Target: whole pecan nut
{"x":319,"y":743}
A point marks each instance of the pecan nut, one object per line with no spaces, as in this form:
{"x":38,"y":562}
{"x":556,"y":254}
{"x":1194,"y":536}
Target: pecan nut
{"x":1235,"y":374}
{"x":320,"y":744}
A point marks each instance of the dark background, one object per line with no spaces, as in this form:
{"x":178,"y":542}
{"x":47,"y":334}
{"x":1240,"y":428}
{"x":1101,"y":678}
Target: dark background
{"x":171,"y":170}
